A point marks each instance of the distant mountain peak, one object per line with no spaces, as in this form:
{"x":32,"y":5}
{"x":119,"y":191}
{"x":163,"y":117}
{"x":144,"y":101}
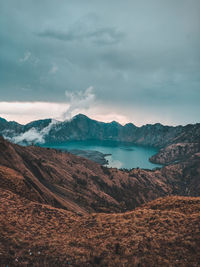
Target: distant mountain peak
{"x":80,"y":116}
{"x":81,"y":127}
{"x":115,"y":123}
{"x":2,"y":119}
{"x":130,"y":124}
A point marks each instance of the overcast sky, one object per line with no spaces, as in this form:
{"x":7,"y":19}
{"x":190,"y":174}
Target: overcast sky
{"x":140,"y":60}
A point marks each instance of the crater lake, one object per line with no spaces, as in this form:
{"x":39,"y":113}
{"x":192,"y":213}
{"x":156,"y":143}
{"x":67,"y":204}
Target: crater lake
{"x":118,"y":155}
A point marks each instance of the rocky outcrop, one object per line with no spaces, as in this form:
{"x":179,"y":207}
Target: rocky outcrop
{"x":175,"y":152}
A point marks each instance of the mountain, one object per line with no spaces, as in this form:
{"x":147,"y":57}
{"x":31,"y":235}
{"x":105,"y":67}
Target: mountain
{"x":73,"y":183}
{"x":58,"y":209}
{"x":81,"y":127}
{"x":10,"y":127}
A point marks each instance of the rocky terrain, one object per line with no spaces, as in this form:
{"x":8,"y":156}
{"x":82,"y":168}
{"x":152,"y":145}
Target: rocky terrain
{"x":81,"y":127}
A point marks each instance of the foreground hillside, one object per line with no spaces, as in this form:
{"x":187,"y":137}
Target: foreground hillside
{"x":166,"y":232}
{"x":63,"y":180}
{"x":58,"y":209}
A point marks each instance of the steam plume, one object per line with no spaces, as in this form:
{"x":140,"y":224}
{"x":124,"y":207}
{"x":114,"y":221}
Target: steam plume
{"x":32,"y":135}
{"x":78,"y":102}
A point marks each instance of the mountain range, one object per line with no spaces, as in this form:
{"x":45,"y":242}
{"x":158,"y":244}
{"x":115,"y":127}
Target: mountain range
{"x":59,"y":209}
{"x":80,"y":127}
{"x":175,"y":143}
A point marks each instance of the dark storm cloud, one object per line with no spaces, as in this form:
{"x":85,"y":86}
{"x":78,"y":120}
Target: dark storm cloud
{"x":99,"y":36}
{"x":136,"y":54}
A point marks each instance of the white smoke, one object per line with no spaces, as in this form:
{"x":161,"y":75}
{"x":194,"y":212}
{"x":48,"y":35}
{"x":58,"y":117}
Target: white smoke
{"x":78,"y":102}
{"x":32,"y":135}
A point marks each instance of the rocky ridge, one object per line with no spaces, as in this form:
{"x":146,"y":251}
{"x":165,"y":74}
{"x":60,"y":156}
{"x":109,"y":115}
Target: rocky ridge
{"x":175,"y":153}
{"x":81,"y":127}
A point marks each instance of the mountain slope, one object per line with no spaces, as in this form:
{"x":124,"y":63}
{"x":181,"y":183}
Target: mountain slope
{"x":66,"y":181}
{"x":175,"y":152}
{"x":52,"y":203}
{"x":163,"y":233}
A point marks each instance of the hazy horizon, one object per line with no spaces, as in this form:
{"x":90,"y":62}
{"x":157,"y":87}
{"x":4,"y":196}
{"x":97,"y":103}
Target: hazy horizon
{"x":93,"y":118}
{"x":136,"y":62}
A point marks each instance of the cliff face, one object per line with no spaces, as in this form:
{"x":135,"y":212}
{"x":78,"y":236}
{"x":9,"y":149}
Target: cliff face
{"x":83,"y":128}
{"x":66,"y":181}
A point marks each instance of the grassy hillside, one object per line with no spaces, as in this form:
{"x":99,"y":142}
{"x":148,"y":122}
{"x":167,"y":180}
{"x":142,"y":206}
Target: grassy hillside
{"x":163,"y":233}
{"x":58,"y":209}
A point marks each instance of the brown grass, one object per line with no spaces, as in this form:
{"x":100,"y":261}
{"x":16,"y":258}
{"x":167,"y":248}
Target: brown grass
{"x":166,"y":232}
{"x":49,"y":202}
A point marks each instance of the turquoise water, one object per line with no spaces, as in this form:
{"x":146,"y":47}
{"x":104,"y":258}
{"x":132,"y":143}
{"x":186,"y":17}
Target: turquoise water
{"x":123,"y":155}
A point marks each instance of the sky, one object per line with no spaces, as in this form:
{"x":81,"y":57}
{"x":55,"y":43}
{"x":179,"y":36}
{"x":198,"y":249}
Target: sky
{"x":130,"y":61}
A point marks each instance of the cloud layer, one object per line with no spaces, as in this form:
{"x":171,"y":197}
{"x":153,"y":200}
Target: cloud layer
{"x":141,"y":57}
{"x":104,"y":36}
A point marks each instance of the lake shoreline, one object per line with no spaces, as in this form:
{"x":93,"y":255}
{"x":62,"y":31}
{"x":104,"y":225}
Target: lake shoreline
{"x":110,"y":154}
{"x":93,"y":155}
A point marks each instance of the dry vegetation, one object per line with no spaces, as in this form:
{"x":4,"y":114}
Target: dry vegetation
{"x":166,"y":232}
{"x":66,"y":181}
{"x":49,"y":204}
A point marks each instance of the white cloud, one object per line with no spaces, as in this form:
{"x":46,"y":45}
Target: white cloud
{"x":24,"y":112}
{"x":53,"y":69}
{"x":84,"y":102}
{"x":33,"y":135}
{"x":29,"y":57}
{"x":26,"y":57}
